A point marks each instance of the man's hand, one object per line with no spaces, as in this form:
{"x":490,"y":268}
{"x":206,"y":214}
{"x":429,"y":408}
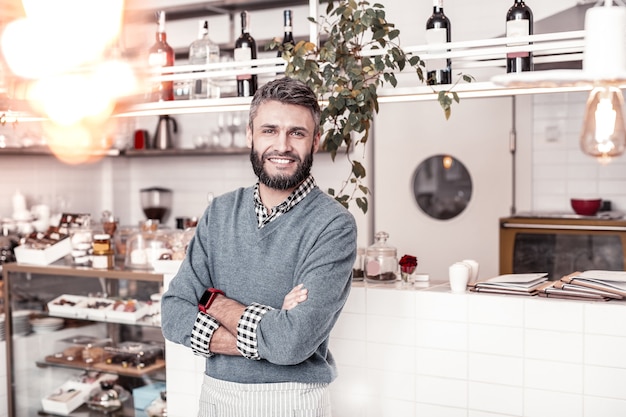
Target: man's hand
{"x":297,"y":295}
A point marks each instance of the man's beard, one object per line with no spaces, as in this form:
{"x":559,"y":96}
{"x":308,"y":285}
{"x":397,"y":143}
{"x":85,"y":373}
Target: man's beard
{"x":281,"y":182}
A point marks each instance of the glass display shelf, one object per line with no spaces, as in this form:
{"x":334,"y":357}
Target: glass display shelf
{"x":25,"y":286}
{"x":156,"y":370}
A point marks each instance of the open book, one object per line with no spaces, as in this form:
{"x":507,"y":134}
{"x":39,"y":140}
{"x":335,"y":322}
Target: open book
{"x":522,"y":284}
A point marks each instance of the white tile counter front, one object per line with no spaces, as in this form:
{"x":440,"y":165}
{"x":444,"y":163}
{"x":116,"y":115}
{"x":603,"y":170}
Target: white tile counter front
{"x":425,"y":352}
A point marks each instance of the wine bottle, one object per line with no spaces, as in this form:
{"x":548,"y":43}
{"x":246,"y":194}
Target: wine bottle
{"x":438,"y":31}
{"x":288,"y":27}
{"x":204,"y":51}
{"x":161,"y":54}
{"x":245,"y":50}
{"x":519,"y":22}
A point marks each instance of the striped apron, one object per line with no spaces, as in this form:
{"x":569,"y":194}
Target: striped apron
{"x":288,"y":399}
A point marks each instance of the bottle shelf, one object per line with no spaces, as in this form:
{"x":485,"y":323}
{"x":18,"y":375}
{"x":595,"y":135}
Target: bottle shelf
{"x":466,"y":56}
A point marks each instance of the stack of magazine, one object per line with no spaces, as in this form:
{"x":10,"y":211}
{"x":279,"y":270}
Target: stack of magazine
{"x":517,"y":284}
{"x":589,"y":285}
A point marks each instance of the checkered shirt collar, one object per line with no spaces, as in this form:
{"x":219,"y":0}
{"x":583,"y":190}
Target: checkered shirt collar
{"x":294,"y":198}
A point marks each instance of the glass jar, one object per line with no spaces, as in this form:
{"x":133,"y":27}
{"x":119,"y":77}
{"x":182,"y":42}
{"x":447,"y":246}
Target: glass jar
{"x":145,"y":247}
{"x":357,"y":270}
{"x":381,"y":261}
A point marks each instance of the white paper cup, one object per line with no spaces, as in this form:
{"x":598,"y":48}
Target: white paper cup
{"x":474,"y":270}
{"x":458,"y":274}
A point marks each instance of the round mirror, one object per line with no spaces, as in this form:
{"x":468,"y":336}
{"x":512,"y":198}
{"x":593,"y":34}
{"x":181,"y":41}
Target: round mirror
{"x":442,"y":186}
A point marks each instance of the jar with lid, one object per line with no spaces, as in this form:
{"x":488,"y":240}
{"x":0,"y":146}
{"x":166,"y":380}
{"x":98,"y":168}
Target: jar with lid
{"x":145,"y":247}
{"x":102,"y":252}
{"x":381,"y":261}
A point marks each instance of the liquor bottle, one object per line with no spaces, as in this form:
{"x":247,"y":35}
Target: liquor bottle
{"x":519,"y":22}
{"x":288,"y":37}
{"x":245,"y":50}
{"x":161,"y":55}
{"x":204,"y":51}
{"x":438,"y":31}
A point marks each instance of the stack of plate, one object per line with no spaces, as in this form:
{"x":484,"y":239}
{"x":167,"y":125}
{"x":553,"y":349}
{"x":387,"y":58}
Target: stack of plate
{"x":46,"y":324}
{"x":21,"y":322}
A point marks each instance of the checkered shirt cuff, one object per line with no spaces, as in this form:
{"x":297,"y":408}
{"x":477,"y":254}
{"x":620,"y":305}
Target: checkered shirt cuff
{"x":201,"y":334}
{"x":246,"y":330}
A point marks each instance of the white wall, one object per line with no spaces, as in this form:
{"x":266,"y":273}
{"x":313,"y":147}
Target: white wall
{"x":560,"y":170}
{"x":477,"y":136}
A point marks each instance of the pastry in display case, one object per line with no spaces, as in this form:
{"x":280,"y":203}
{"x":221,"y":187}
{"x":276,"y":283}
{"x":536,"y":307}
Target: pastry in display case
{"x":99,"y":308}
{"x":107,"y":397}
{"x":134,"y":354}
{"x":80,"y":351}
{"x":74,"y":392}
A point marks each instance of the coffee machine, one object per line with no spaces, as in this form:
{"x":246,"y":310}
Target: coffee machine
{"x":156,"y":203}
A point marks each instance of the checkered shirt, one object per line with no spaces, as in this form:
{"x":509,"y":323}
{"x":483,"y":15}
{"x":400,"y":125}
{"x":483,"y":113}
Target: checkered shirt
{"x":201,"y":334}
{"x":246,"y":330}
{"x":294,"y":198}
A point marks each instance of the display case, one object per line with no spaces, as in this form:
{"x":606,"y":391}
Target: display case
{"x":69,"y":323}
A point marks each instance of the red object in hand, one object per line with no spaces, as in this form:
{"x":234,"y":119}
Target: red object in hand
{"x":207,"y":299}
{"x":408,"y":263}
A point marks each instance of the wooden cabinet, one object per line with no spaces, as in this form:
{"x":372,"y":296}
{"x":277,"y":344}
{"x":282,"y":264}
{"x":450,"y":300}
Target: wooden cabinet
{"x":32,"y":370}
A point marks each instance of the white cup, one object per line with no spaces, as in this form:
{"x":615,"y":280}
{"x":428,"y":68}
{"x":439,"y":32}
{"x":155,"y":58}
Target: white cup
{"x":474,"y":270}
{"x":459,"y":274}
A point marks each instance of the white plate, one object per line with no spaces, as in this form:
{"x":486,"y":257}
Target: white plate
{"x":47,"y":322}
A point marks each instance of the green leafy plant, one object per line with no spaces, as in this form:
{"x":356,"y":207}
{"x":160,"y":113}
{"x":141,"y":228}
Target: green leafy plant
{"x":360,"y":54}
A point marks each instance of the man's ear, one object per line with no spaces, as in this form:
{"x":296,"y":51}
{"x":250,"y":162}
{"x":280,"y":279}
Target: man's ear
{"x":316,"y":142}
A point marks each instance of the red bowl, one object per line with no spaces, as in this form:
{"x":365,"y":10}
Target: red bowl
{"x":586,"y":207}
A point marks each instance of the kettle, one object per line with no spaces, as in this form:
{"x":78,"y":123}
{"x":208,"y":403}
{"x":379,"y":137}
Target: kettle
{"x":163,"y":137}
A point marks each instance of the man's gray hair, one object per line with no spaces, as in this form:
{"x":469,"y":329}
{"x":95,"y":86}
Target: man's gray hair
{"x":287,"y":90}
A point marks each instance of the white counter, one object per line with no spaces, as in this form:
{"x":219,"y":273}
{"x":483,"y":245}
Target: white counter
{"x":423,"y":351}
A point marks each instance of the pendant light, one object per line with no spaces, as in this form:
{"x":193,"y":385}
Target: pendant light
{"x":603,"y":135}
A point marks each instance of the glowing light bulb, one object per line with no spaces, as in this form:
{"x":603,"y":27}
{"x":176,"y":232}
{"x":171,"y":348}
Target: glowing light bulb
{"x":604,"y":135}
{"x":447,"y":162}
{"x":62,"y":40}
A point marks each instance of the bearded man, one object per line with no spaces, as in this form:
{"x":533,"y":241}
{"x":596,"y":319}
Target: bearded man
{"x":267,"y":273}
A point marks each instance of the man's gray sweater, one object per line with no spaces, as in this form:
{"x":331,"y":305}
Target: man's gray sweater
{"x":314,"y":243}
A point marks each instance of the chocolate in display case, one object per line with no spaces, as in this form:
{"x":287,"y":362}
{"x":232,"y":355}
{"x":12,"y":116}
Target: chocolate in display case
{"x":135,"y":354}
{"x":80,"y":350}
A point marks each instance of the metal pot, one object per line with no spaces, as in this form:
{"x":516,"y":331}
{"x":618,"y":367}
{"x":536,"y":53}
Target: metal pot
{"x":164,"y":135}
